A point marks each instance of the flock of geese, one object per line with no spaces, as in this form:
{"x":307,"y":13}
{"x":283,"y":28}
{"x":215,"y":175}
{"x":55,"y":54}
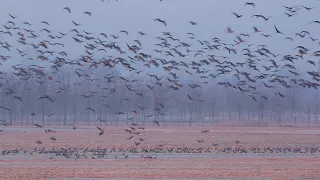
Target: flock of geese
{"x":173,"y":56}
{"x":154,"y":152}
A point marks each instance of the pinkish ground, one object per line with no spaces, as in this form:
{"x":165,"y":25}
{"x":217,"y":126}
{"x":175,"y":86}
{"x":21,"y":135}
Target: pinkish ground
{"x":287,"y":167}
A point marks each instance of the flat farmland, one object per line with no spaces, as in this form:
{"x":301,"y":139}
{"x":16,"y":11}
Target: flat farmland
{"x":160,"y":152}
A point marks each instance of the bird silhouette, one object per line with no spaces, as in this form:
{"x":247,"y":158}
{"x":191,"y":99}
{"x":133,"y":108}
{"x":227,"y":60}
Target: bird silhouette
{"x":161,"y":21}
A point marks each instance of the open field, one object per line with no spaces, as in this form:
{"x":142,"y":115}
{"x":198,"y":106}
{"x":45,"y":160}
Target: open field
{"x":174,"y":165}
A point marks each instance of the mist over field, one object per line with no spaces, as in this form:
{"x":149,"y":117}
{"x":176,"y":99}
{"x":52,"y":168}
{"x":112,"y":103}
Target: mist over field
{"x":215,"y":104}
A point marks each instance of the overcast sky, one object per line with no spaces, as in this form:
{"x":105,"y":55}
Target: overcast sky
{"x":212,"y":16}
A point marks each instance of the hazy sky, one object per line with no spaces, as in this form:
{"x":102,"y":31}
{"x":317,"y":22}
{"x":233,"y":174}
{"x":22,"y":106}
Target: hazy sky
{"x":212,"y":16}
